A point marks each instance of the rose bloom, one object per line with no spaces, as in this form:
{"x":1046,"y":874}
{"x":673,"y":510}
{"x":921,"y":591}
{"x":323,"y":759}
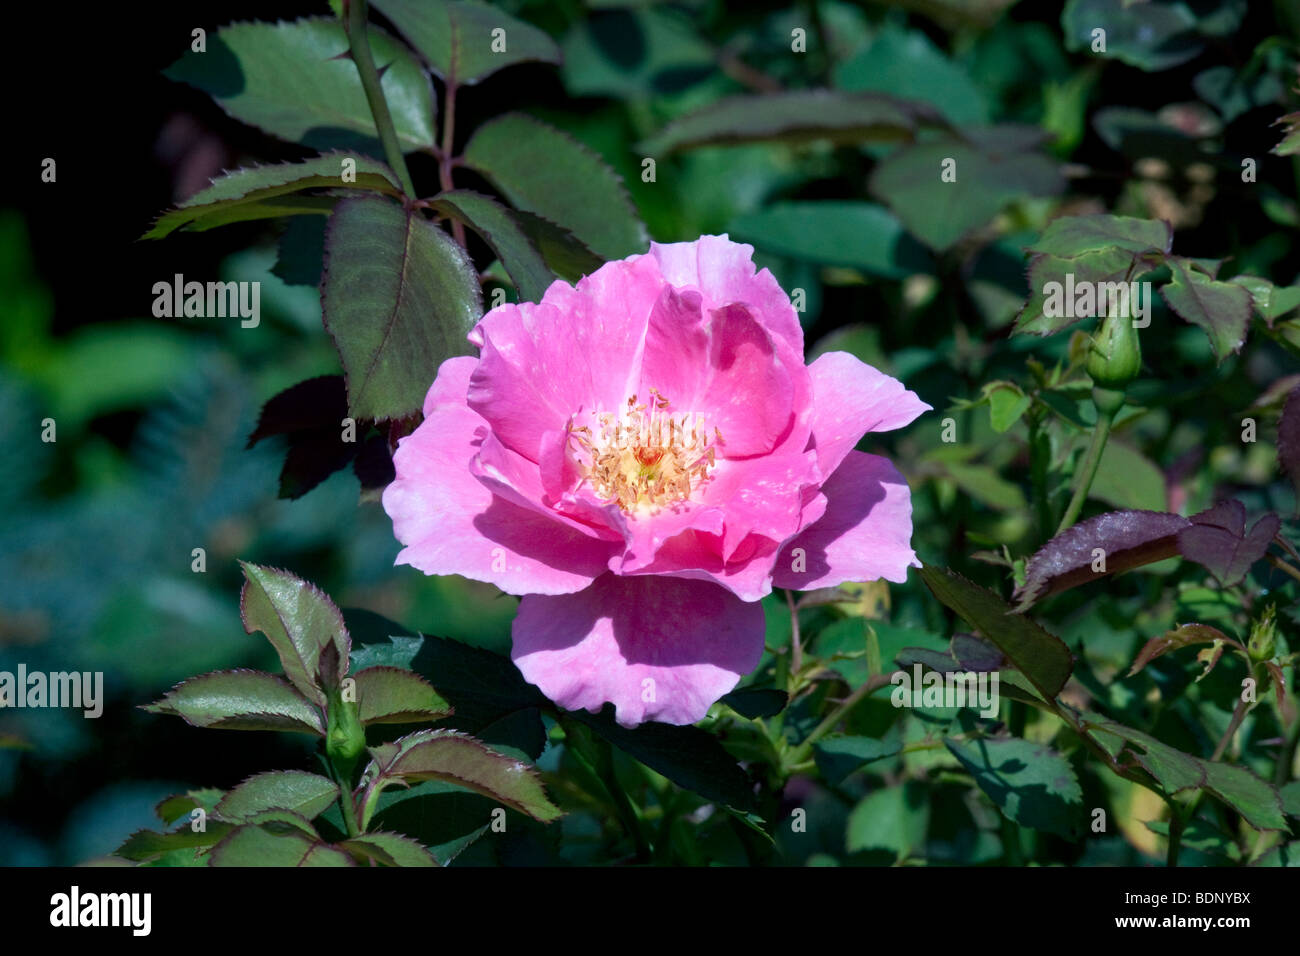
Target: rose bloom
{"x":643,"y":456}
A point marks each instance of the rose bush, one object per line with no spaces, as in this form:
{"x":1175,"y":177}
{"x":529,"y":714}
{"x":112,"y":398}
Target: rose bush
{"x":643,"y":456}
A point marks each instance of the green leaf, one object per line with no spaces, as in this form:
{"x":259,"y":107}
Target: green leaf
{"x":240,"y":700}
{"x":1270,"y":301}
{"x":1006,"y":404}
{"x":399,"y":297}
{"x":275,"y":844}
{"x":1071,"y":236}
{"x":500,"y":230}
{"x":989,"y":176}
{"x":636,"y":52}
{"x":1255,"y":799}
{"x":179,"y":805}
{"x":297,"y":618}
{"x":1290,"y":795}
{"x":255,"y":184}
{"x":145,"y":845}
{"x":688,"y":756}
{"x":986,"y":486}
{"x":907,"y":64}
{"x":297,"y":81}
{"x":839,"y":756}
{"x":565,"y":254}
{"x":1126,"y":478}
{"x":455,"y":37}
{"x":460,"y":759}
{"x":388,"y":849}
{"x":856,"y":235}
{"x":544,"y":171}
{"x":1031,"y":784}
{"x":1111,"y":265}
{"x":756,"y":702}
{"x":1152,"y":36}
{"x":390,"y":695}
{"x":894,"y":819}
{"x":798,"y":116}
{"x":1042,"y":657}
{"x":1222,"y":309}
{"x":304,"y":793}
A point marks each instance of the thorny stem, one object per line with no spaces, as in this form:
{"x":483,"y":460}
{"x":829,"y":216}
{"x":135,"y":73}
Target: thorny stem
{"x":359,"y":44}
{"x":446,"y":162}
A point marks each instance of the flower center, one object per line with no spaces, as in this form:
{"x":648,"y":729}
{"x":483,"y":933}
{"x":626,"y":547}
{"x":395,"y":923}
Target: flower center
{"x":644,"y":457}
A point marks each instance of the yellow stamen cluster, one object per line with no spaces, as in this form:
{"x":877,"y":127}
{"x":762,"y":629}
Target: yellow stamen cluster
{"x":645,"y":458}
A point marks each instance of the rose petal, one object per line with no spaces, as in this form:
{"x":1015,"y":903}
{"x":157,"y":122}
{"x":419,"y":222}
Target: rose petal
{"x":850,"y":398}
{"x":657,"y":648}
{"x":452,"y":524}
{"x":864,"y":535}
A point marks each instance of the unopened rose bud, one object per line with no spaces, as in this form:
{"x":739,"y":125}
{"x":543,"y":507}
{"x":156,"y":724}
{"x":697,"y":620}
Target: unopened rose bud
{"x":1116,"y":356}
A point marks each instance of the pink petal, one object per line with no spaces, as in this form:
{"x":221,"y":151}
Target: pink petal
{"x":451,"y":384}
{"x":723,"y":272}
{"x":657,"y":648}
{"x":578,"y":349}
{"x":850,"y":398}
{"x":452,"y":524}
{"x":864,"y":535}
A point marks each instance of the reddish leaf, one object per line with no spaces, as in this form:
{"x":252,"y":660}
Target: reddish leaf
{"x":1129,"y":539}
{"x":1288,"y":438}
{"x":1183,"y":636}
{"x":1217,"y":539}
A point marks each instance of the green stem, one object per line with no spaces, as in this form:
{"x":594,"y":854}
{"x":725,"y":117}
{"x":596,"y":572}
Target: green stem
{"x":1177,"y":823}
{"x":1088,"y":470}
{"x":800,"y":753}
{"x":347,"y":807}
{"x":359,"y":44}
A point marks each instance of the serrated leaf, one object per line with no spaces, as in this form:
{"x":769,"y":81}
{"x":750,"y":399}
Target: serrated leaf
{"x":1255,"y":799}
{"x":174,"y":807}
{"x":240,"y":700}
{"x":543,"y":170}
{"x":145,"y":845}
{"x":1270,"y":301}
{"x":296,"y":81}
{"x":457,"y":37}
{"x":500,"y":230}
{"x":1217,"y":539}
{"x":1127,"y":539}
{"x":1071,"y":236}
{"x":1180,"y":637}
{"x":565,"y":254}
{"x":388,"y":849}
{"x":390,"y":695}
{"x":253,"y":845}
{"x":855,"y":235}
{"x":1041,"y":656}
{"x":1096,"y":271}
{"x":1222,"y":309}
{"x":259,"y":183}
{"x":298,"y":619}
{"x":988,"y":178}
{"x":797,"y":116}
{"x":304,"y":793}
{"x":1030,"y":783}
{"x":460,"y":759}
{"x":399,"y":297}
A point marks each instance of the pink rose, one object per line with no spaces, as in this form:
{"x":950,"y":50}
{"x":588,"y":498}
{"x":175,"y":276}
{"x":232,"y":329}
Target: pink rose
{"x":642,"y":457}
